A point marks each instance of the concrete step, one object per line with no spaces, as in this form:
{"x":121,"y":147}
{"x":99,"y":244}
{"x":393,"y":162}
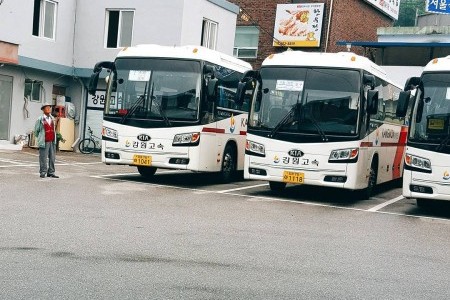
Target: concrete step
{"x":7,"y":145}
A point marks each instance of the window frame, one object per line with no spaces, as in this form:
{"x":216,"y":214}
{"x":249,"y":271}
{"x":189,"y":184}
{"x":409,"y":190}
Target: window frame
{"x":236,"y":49}
{"x":34,"y":84}
{"x":207,"y":26}
{"x":119,"y":28}
{"x":41,"y":21}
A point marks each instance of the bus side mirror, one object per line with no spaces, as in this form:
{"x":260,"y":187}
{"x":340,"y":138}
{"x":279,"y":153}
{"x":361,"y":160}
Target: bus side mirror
{"x":212,"y":89}
{"x":247,"y":79}
{"x":369,"y":80}
{"x":93,"y":83}
{"x":402,"y":104}
{"x":372,"y":102}
{"x":96,"y":73}
{"x":411,"y":83}
{"x":240,"y":93}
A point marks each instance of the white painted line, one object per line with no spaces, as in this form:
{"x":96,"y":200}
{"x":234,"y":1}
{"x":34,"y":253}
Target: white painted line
{"x":274,"y":199}
{"x":241,"y":188}
{"x":135,"y":173}
{"x":152,"y":184}
{"x":56,"y":164}
{"x":378,"y":207}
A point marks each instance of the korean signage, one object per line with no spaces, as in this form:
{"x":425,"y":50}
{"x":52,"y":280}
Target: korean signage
{"x":438,"y":6}
{"x":298,"y":25}
{"x":389,"y":7}
{"x":98,"y":100}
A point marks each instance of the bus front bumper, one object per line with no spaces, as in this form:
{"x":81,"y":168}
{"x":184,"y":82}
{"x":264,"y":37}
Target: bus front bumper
{"x":425,"y":186}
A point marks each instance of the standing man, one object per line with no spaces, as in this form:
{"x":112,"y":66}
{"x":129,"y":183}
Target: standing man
{"x":45,"y":132}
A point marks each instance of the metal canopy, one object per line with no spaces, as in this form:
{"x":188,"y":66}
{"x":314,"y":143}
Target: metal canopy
{"x":400,"y":53}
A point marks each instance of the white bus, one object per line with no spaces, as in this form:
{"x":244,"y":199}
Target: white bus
{"x":427,"y":158}
{"x":324,"y":119}
{"x":173,"y":108}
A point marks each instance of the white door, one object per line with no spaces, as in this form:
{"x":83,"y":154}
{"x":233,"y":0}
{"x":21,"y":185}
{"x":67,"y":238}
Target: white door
{"x":5,"y":105}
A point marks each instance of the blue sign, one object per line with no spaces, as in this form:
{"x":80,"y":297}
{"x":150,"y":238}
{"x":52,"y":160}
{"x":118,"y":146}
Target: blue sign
{"x":438,"y":6}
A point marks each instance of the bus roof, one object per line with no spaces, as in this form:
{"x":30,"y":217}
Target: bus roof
{"x":186,"y":52}
{"x":348,"y":60}
{"x":438,"y":64}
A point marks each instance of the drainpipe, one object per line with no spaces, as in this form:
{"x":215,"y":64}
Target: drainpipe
{"x":329,"y":25}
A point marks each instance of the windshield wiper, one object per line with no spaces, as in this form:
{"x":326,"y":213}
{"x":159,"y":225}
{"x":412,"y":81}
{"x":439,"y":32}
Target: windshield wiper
{"x":135,"y":105}
{"x":161,"y":112}
{"x":319,"y":129}
{"x":285,"y":120}
{"x":444,"y":143}
{"x":133,"y":108}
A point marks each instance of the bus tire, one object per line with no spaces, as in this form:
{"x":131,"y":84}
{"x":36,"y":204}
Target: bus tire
{"x":229,"y":162}
{"x":146,"y":172}
{"x":276,"y":186}
{"x":422,"y":203}
{"x":366,"y":193}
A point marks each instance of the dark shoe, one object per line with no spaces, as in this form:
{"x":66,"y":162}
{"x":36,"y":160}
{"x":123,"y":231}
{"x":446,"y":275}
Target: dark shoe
{"x":42,"y":175}
{"x":53,"y":176}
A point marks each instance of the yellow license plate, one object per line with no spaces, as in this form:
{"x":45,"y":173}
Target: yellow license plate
{"x":142,"y":160}
{"x":293,"y":177}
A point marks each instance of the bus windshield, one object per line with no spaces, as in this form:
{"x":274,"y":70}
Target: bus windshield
{"x":431,"y":115}
{"x":165,"y":89}
{"x":307,"y":100}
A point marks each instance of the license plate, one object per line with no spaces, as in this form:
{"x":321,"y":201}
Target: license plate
{"x":293,"y":177}
{"x":142,"y":160}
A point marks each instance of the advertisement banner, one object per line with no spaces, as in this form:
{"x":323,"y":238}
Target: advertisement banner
{"x":298,"y":25}
{"x":438,"y":6}
{"x":389,"y":7}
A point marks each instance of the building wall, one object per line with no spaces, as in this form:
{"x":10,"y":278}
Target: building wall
{"x":350,"y":20}
{"x":155,"y":22}
{"x":79,"y":44}
{"x":193,"y":13}
{"x":355,"y":20}
{"x":17,"y":27}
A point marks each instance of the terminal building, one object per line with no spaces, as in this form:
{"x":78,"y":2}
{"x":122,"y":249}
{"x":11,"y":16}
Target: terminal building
{"x":48,"y":56}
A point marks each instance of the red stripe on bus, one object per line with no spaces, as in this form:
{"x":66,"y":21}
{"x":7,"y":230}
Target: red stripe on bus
{"x":396,"y":172}
{"x":370,"y":144}
{"x":215,"y":130}
{"x":243,"y":132}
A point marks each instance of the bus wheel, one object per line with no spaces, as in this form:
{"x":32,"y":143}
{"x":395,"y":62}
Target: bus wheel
{"x":147,"y":172}
{"x":372,"y":182}
{"x":228,"y":164}
{"x":276,"y":186}
{"x":422,"y":203}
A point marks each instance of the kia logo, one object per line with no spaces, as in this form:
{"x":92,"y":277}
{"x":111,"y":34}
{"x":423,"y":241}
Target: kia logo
{"x":144,"y":137}
{"x":295,"y":153}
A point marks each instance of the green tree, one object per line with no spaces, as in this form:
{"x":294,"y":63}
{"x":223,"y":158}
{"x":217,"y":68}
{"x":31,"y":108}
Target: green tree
{"x":408,"y":11}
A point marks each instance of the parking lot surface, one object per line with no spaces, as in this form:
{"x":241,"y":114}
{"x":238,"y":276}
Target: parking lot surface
{"x":104,"y":231}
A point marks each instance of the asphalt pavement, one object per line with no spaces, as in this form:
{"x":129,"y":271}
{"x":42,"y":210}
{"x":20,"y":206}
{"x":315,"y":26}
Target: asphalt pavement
{"x":104,"y":232}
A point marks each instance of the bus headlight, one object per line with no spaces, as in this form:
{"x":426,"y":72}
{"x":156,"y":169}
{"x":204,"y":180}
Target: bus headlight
{"x":416,"y":163}
{"x":109,"y":134}
{"x":186,"y":139}
{"x":344,"y":155}
{"x":256,"y":149}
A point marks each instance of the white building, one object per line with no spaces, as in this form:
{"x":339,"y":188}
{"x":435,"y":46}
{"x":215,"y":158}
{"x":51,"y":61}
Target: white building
{"x":49,"y":47}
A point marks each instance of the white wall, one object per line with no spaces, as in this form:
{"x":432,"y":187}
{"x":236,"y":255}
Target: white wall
{"x":21,"y":123}
{"x":17,"y":27}
{"x":155,"y":22}
{"x":191,"y":29}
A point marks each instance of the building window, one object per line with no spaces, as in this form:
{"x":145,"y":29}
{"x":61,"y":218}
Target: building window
{"x":246,"y":42}
{"x":209,"y":34}
{"x":44,"y":18}
{"x":33,"y":90}
{"x":119,"y":28}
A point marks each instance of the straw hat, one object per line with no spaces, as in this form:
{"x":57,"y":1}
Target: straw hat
{"x":44,"y":105}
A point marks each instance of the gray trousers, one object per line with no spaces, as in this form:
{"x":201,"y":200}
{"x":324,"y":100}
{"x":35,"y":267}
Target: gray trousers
{"x":48,"y":152}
